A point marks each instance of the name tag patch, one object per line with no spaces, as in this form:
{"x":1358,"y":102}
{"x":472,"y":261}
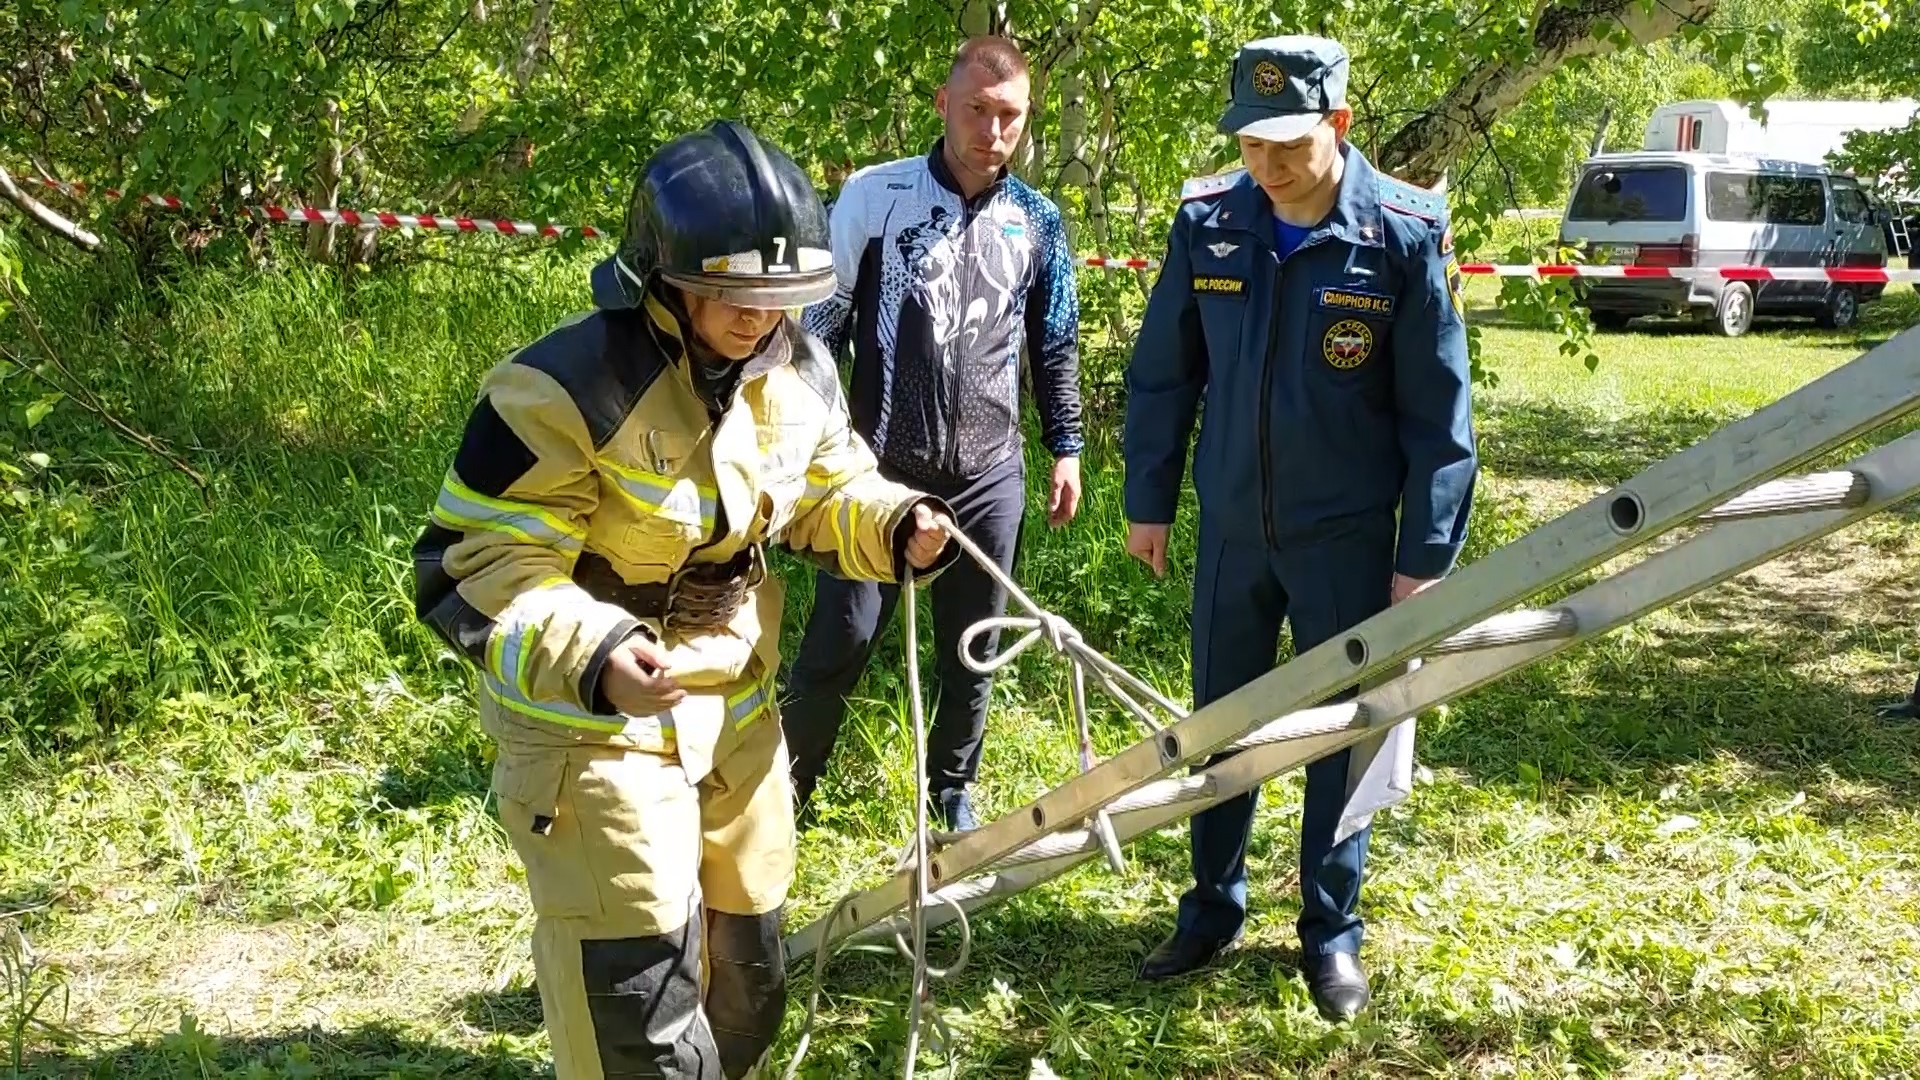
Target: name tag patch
{"x":1365,"y":303}
{"x":1223,"y":285}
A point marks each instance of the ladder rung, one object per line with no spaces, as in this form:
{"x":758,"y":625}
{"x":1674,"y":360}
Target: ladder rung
{"x":1051,"y":846}
{"x":1157,"y":795}
{"x":1795,"y":495}
{"x":1841,"y":490}
{"x":1164,"y":793}
{"x":1325,"y":720}
{"x":1511,"y":628}
{"x":1305,"y":723}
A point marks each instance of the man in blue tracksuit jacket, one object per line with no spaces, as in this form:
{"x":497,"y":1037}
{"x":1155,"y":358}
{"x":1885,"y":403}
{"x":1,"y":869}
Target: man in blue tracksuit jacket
{"x":1313,"y":304}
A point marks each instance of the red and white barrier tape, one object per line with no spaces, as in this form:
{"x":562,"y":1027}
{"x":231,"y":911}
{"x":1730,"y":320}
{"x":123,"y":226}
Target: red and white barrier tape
{"x":300,"y":215}
{"x":1847,"y":275}
{"x":357,"y":219}
{"x":81,"y":190}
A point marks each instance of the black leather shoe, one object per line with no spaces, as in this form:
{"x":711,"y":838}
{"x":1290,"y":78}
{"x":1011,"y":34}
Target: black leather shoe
{"x":1900,"y":710}
{"x":1338,"y":984}
{"x":1181,"y":953}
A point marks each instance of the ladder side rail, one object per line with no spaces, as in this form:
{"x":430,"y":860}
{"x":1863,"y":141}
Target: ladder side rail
{"x":1892,"y":473}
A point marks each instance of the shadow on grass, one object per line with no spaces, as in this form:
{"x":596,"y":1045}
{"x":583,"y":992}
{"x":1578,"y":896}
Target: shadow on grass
{"x":507,"y":1012}
{"x":1780,"y":734}
{"x":1080,"y":1006}
{"x":1769,"y":677}
{"x":434,"y":777}
{"x":375,"y":1051}
{"x":1550,"y":441}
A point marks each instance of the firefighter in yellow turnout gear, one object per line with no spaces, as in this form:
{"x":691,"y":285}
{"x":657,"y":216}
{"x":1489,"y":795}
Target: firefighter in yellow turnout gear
{"x":597,"y":551}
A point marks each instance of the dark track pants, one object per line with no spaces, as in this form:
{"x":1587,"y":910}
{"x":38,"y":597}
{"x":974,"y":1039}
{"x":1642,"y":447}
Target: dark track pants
{"x":847,"y":616}
{"x":1241,"y":594}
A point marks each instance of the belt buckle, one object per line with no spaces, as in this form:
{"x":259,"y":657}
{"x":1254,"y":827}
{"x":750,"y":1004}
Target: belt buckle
{"x":728,"y":594}
{"x":672,"y":612}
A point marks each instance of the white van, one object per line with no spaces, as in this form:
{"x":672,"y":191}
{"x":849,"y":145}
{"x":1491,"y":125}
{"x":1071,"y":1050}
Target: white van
{"x":1686,"y":209}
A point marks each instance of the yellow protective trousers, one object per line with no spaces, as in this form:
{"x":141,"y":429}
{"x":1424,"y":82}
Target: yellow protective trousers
{"x":657,"y":900}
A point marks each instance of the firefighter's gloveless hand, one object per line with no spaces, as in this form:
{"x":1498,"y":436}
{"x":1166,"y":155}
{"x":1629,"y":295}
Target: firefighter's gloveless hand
{"x":636,"y":681}
{"x":929,"y":537}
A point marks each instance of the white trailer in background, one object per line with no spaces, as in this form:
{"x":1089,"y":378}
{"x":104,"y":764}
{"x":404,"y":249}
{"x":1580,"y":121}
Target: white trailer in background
{"x":1792,"y":130}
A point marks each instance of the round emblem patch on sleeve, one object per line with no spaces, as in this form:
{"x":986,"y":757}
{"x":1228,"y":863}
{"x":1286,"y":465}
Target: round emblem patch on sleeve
{"x":1347,"y":344}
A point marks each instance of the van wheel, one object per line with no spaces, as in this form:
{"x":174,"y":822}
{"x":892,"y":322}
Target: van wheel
{"x":1610,"y":320}
{"x":1734,"y":315}
{"x":1842,"y":309}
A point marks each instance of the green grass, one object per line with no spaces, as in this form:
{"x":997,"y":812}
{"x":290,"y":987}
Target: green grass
{"x":245,"y":832}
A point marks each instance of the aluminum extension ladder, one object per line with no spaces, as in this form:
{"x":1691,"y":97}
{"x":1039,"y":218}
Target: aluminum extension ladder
{"x":1465,"y":629}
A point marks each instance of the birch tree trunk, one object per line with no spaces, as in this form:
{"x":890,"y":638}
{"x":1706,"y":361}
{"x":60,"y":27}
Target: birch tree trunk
{"x":1421,"y":151}
{"x":320,"y":234}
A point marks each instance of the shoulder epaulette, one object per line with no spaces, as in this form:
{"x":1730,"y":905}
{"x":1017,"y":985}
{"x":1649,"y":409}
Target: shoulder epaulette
{"x":1408,"y":199}
{"x":1201,"y":187}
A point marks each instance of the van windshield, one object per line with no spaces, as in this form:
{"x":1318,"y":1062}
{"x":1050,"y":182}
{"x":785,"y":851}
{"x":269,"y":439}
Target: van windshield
{"x":1630,"y":193}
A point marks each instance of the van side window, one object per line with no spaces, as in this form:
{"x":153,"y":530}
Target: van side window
{"x":1773,"y":200}
{"x":1796,"y":200}
{"x":1850,"y":204}
{"x":1731,"y":197}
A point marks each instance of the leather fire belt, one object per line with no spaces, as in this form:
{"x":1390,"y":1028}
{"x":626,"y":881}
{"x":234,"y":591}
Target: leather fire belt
{"x":698,"y":597}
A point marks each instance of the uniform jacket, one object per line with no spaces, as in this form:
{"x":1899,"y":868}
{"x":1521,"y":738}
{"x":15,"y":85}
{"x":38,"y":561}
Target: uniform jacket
{"x":1335,"y":384}
{"x":938,"y":294}
{"x":589,"y":462}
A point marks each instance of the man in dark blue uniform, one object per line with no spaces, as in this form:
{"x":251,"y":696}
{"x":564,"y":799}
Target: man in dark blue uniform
{"x":1314,"y":304}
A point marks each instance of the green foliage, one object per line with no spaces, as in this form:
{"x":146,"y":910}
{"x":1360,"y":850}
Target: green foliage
{"x":1869,"y":48}
{"x":528,"y":109}
{"x":231,"y":593}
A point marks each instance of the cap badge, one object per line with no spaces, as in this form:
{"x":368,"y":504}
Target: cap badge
{"x":1267,"y":78}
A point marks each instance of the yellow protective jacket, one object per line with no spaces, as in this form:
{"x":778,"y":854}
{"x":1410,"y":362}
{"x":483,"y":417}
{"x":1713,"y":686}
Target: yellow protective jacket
{"x":590,"y":469}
